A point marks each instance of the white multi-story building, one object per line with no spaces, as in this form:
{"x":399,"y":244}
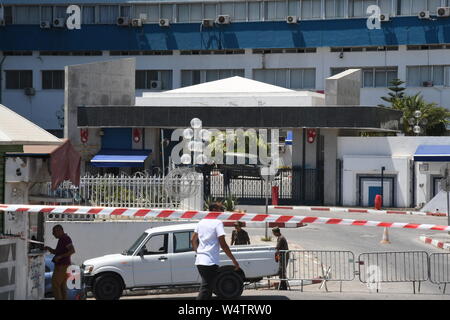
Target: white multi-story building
{"x":254,"y":39}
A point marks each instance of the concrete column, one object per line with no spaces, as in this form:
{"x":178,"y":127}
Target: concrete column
{"x":329,"y":171}
{"x":100,"y":83}
{"x":343,"y":88}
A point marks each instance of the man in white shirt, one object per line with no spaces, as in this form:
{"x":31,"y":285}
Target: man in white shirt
{"x":208,"y":238}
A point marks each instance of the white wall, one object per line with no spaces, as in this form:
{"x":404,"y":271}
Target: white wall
{"x":42,"y":107}
{"x":366,"y":155}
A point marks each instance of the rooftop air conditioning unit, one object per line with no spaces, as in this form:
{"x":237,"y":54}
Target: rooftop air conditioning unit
{"x":208,"y":23}
{"x":59,"y":23}
{"x":384,"y":17}
{"x":164,"y":22}
{"x":427,"y":84}
{"x":424,"y":15}
{"x":291,"y":19}
{"x":443,"y":12}
{"x":155,"y":85}
{"x":45,"y":24}
{"x":30,"y":91}
{"x":136,"y":23}
{"x":123,"y":21}
{"x":223,"y":19}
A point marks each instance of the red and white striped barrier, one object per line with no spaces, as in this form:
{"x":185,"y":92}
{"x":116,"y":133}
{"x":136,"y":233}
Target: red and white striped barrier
{"x":249,"y":218}
{"x":436,"y":243}
{"x":354,"y":210}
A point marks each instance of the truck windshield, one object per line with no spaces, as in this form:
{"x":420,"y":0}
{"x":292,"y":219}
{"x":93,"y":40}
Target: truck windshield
{"x":135,"y":245}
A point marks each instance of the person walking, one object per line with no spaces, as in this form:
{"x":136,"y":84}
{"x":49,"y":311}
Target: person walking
{"x":239,"y":236}
{"x":283,"y":257}
{"x":208,"y":238}
{"x":64,"y":249}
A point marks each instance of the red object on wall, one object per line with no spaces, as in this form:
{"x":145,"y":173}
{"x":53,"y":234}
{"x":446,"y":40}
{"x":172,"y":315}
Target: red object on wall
{"x":378,"y":202}
{"x":136,"y":135}
{"x":275,"y":195}
{"x":84,"y":135}
{"x":311,"y":135}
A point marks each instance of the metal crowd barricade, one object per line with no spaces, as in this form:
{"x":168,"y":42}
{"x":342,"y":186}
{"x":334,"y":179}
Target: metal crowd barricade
{"x":439,"y":267}
{"x":319,"y":266}
{"x":378,"y":267}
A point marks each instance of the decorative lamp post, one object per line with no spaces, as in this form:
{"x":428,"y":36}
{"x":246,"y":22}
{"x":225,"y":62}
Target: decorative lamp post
{"x":417,"y":122}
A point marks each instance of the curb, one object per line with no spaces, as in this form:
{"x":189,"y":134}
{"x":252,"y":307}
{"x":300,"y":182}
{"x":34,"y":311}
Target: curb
{"x":436,"y":243}
{"x":356,"y":210}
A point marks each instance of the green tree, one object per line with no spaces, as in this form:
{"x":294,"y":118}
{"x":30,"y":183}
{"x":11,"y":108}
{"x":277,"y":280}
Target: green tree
{"x":434,"y":119}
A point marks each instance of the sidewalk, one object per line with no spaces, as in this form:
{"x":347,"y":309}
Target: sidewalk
{"x":438,"y":240}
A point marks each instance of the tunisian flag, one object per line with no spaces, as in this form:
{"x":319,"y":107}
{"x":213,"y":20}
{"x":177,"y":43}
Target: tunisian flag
{"x":65,"y":164}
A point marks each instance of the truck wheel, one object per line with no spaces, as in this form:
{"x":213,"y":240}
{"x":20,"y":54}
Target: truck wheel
{"x":229,"y":285}
{"x":107,"y":287}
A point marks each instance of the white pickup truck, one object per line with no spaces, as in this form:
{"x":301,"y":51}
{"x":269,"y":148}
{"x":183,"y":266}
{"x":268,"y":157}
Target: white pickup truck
{"x":163,"y":257}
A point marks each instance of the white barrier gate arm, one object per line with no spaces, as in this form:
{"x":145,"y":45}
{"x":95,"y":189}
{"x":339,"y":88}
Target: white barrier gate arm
{"x":250,"y":219}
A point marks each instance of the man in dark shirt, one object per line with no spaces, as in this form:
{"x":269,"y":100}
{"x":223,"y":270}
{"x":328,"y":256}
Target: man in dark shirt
{"x":239,"y":236}
{"x":283,"y":257}
{"x":64,"y":249}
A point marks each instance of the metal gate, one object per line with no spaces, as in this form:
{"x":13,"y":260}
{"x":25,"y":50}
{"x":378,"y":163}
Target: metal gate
{"x":378,"y":267}
{"x":440,"y":269}
{"x":296,"y":186}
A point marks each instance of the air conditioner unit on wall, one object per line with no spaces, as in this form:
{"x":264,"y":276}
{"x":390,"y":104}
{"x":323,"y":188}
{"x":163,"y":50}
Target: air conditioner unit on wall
{"x":29,"y":91}
{"x":424,"y":15}
{"x":164,"y":22}
{"x":155,"y":85}
{"x":443,"y":12}
{"x":208,"y":23}
{"x":136,"y":23}
{"x":123,"y":21}
{"x":223,"y":19}
{"x":59,"y":23}
{"x":291,"y":19}
{"x":384,"y":17}
{"x":45,"y":25}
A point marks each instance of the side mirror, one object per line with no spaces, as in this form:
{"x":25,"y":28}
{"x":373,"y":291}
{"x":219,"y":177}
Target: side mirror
{"x":141,"y":252}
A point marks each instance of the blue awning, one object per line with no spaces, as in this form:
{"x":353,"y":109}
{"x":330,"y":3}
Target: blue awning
{"x":288,"y":140}
{"x":436,"y":153}
{"x":120,"y":158}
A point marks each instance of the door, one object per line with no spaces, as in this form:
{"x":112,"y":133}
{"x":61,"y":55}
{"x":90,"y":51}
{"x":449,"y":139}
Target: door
{"x":183,"y":266}
{"x":373,"y":191}
{"x":152,"y":267}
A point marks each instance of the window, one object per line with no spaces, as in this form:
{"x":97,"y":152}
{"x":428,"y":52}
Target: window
{"x":7,"y":14}
{"x":334,"y":9}
{"x":413,"y":7}
{"x":157,"y":244}
{"x":417,"y":75}
{"x":145,"y":78}
{"x":108,"y":14}
{"x":52,"y":79}
{"x":372,"y":76}
{"x":125,"y":11}
{"x":288,"y":78}
{"x":192,"y":77}
{"x":311,"y":9}
{"x":46,"y":13}
{"x":182,"y":241}
{"x":196,"y":13}
{"x":150,"y":11}
{"x":276,"y":10}
{"x":88,"y":14}
{"x":166,"y":11}
{"x":26,"y":15}
{"x":358,"y":8}
{"x":19,"y":79}
{"x":60,"y":12}
{"x":254,"y":11}
{"x":210,"y":11}
{"x":183,"y":13}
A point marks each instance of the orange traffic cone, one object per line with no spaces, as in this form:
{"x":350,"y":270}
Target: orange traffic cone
{"x":385,"y":239}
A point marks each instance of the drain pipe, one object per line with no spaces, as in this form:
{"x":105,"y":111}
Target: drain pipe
{"x":1,"y":77}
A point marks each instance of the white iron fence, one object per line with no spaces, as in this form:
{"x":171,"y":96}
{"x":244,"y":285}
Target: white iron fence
{"x":126,"y":191}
